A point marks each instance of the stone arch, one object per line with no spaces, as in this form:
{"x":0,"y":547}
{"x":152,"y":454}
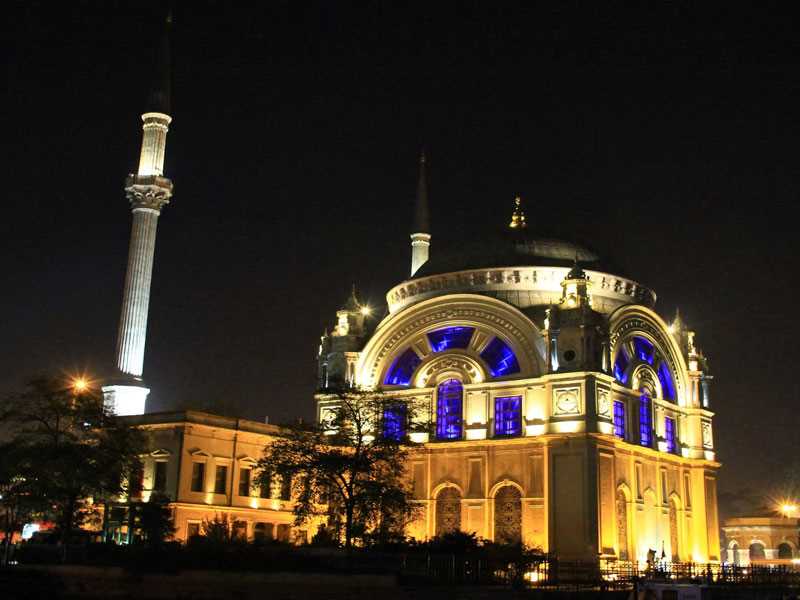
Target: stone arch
{"x":636,"y":320}
{"x":489,"y":316}
{"x":757,"y":551}
{"x":733,"y":552}
{"x":508,"y":514}
{"x":448,"y":509}
{"x":785,"y":550}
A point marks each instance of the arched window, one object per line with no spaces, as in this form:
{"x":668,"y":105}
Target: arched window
{"x":449,"y":396}
{"x":639,"y":350}
{"x":757,"y":551}
{"x":448,"y":511}
{"x":450,"y":337}
{"x":784,"y":550}
{"x":500,"y":358}
{"x":508,"y":515}
{"x":403,"y":368}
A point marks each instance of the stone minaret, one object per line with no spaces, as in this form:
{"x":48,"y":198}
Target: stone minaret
{"x":148,"y":191}
{"x":421,"y":236}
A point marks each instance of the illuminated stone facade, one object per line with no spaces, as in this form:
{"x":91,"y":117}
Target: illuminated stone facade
{"x":205,"y":464}
{"x":761,"y":540}
{"x":564,"y":411}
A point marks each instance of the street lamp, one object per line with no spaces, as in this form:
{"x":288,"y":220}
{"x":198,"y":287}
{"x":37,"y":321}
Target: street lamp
{"x":788,"y":509}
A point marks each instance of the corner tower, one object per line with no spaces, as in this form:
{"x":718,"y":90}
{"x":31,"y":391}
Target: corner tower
{"x":148,"y":191}
{"x":421,"y":235}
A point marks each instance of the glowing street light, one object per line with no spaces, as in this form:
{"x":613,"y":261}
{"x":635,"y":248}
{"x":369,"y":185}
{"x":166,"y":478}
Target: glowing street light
{"x":366,"y":311}
{"x":80,"y":385}
{"x":788,"y":509}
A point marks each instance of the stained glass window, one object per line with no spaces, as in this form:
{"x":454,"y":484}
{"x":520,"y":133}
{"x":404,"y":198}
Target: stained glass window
{"x":669,"y":434}
{"x":448,"y":410}
{"x":619,"y":419}
{"x":667,"y":385}
{"x":644,"y":349}
{"x":403,"y":368}
{"x":508,"y":415}
{"x":645,"y":422}
{"x":394,"y":422}
{"x":450,"y":337}
{"x":500,"y":358}
{"x":621,"y":366}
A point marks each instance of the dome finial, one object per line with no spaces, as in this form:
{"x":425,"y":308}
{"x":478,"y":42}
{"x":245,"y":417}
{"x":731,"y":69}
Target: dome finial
{"x":518,"y":216}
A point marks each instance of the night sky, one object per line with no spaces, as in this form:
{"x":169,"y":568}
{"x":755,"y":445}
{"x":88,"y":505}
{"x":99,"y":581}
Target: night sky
{"x":667,"y":140}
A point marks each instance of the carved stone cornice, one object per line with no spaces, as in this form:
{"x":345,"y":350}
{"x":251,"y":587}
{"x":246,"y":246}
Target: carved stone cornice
{"x":468,"y":368}
{"x":148,"y":191}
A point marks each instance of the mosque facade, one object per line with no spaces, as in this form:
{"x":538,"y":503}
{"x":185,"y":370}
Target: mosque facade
{"x":564,"y":411}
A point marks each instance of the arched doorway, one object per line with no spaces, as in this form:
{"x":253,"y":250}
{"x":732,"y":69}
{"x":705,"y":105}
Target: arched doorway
{"x":508,"y":515}
{"x":733,"y":553}
{"x":757,"y":551}
{"x":673,"y":531}
{"x":784,"y":550}
{"x":448,"y":511}
{"x":622,"y":525}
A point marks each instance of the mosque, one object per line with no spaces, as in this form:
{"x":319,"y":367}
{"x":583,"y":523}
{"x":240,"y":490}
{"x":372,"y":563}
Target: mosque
{"x":564,"y":411}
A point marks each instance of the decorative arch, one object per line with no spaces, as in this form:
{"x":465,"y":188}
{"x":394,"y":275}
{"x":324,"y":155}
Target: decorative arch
{"x":758,"y":551}
{"x":621,"y":502}
{"x":448,"y":509}
{"x":638,"y":337}
{"x":508,"y":514}
{"x":675,"y":526}
{"x":489,"y":319}
{"x":786,"y":549}
{"x":504,"y":483}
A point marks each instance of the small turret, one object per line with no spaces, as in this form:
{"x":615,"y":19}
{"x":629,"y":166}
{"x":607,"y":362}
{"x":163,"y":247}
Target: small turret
{"x":339,"y":351}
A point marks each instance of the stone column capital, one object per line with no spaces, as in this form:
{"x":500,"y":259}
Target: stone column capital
{"x":148,"y":191}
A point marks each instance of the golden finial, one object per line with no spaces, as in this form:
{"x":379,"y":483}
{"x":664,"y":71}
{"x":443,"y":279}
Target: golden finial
{"x":518,"y":216}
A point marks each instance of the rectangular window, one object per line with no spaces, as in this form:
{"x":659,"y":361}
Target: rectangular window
{"x":220,"y":479}
{"x":244,"y":482}
{"x":160,"y":477}
{"x":136,"y":482}
{"x":619,"y":419}
{"x":394,"y":422}
{"x":286,"y":487}
{"x":508,"y":415}
{"x":192,"y":529}
{"x":240,"y":530}
{"x":664,"y":488}
{"x":198,"y":476}
{"x":669,"y":434}
{"x":645,"y":422}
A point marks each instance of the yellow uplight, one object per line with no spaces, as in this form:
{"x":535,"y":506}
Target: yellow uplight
{"x":80,"y":384}
{"x":366,"y":311}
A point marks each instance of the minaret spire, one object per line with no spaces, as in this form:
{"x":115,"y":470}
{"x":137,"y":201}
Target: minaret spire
{"x":148,"y":191}
{"x":421,"y":233}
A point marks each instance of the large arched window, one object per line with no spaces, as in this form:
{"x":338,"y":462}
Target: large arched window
{"x":500,"y":358}
{"x":637,"y":351}
{"x":449,"y":400}
{"x":403,"y":368}
{"x":450,"y":337}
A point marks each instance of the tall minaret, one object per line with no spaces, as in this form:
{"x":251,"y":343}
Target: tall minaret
{"x":148,"y":191}
{"x":421,"y":236}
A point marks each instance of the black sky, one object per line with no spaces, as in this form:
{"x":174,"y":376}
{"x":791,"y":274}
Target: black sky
{"x":667,"y":138}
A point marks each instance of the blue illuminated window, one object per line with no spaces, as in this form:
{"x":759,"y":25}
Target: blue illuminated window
{"x":450,"y":337}
{"x":621,"y":366}
{"x":645,"y":422}
{"x":500,"y":358}
{"x":508,"y":415}
{"x":403,"y":368}
{"x":669,"y":434}
{"x":448,"y":410}
{"x":619,"y":419}
{"x":644,"y":349}
{"x":394,"y":422}
{"x":667,"y":385}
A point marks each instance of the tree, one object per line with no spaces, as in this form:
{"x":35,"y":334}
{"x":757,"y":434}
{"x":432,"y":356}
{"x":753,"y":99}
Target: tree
{"x":71,"y":453}
{"x":350,"y":467}
{"x":154,"y":523}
